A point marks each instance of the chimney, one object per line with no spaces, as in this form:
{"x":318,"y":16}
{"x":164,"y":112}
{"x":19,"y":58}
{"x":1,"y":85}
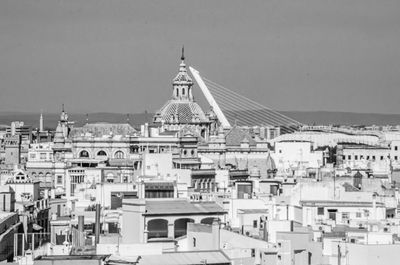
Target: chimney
{"x":141,"y":190}
{"x":215,"y":229}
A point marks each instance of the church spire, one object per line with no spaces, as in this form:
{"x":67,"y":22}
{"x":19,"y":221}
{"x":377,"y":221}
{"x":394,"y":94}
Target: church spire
{"x":182,"y":83}
{"x":41,"y":128}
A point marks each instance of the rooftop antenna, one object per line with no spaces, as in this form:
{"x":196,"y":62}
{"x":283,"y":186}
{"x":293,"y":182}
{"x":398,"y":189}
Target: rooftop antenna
{"x":87,"y":117}
{"x":127,"y":117}
{"x":183,"y":53}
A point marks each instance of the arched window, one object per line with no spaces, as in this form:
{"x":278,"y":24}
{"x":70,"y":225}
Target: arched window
{"x":183,"y":91}
{"x":177,"y":92}
{"x":101,"y":153}
{"x":84,"y":153}
{"x":119,"y":154}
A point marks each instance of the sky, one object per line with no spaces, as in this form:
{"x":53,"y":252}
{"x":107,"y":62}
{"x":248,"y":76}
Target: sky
{"x":121,"y":55}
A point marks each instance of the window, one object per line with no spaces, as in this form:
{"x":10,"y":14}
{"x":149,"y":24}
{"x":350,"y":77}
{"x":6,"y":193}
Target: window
{"x":367,"y":157}
{"x":349,"y":157}
{"x":395,"y":148}
{"x":84,"y":153}
{"x":395,"y":157}
{"x":254,"y":223}
{"x":59,"y":179}
{"x":361,"y":157}
{"x":373,"y":157}
{"x":183,"y":91}
{"x":345,"y":215}
{"x":119,"y":155}
{"x":320,"y":210}
{"x":358,"y":214}
{"x":253,"y":252}
{"x":356,"y":157}
{"x":344,"y":157}
{"x":381,"y":157}
{"x":32,"y":156}
{"x":101,"y":153}
{"x":42,"y":156}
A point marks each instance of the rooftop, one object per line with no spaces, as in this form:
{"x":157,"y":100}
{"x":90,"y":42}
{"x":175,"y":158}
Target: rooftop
{"x":186,"y":258}
{"x":101,"y":129}
{"x":177,"y":207}
{"x":321,"y":203}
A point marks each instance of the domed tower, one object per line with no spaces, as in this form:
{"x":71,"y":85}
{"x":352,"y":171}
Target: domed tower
{"x":182,"y":83}
{"x":181,"y":110}
{"x":64,"y":123}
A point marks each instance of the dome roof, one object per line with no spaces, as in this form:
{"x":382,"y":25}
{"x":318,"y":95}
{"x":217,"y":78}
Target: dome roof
{"x":175,"y":111}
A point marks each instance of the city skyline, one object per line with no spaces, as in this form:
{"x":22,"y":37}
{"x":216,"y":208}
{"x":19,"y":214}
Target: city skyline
{"x":69,"y":52}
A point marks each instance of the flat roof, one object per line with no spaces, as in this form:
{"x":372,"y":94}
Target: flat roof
{"x":326,"y":203}
{"x":252,"y":211}
{"x":73,"y":257}
{"x":186,"y":258}
{"x":177,"y":207}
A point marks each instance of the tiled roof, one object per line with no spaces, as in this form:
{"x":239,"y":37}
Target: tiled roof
{"x":183,"y":111}
{"x":101,"y":129}
{"x":236,"y":135}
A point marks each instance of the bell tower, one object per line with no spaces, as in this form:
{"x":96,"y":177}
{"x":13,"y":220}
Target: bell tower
{"x":182,"y":83}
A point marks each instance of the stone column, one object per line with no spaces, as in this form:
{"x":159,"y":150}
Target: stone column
{"x":171,"y":229}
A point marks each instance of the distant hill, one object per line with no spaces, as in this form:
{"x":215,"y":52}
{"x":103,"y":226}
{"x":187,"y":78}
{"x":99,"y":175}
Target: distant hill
{"x":51,"y":119}
{"x":343,"y":118}
{"x":136,"y":119}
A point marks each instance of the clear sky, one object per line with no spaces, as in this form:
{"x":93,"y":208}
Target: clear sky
{"x":121,"y":55}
